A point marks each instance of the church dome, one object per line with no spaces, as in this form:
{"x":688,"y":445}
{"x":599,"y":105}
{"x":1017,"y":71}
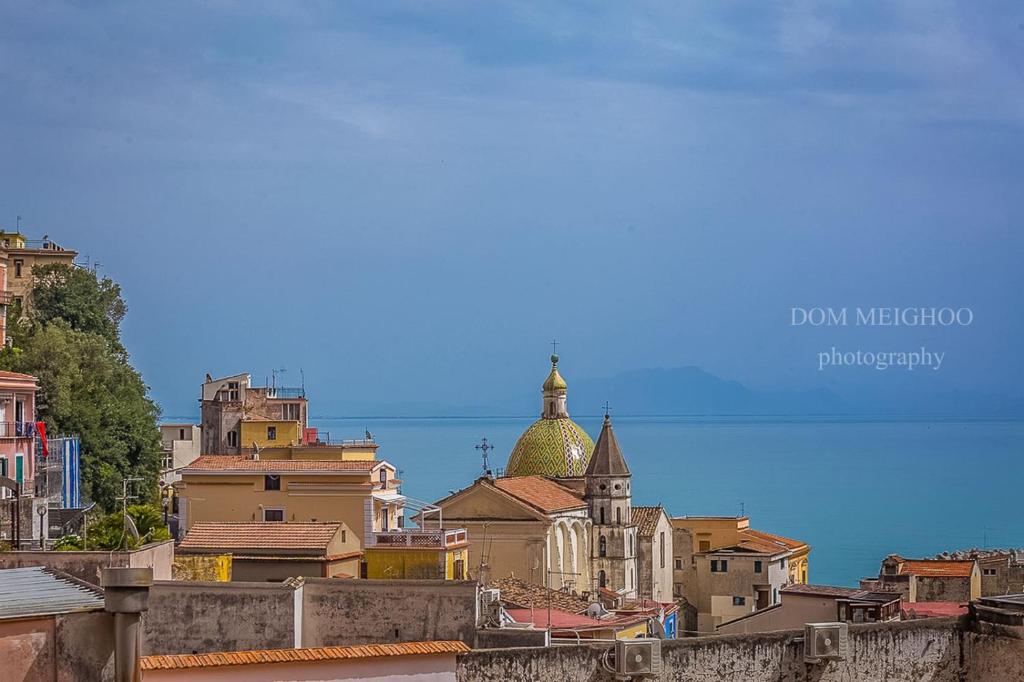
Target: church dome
{"x":554,"y":445}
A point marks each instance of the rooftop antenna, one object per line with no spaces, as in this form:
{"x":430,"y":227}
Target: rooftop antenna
{"x":274,"y":373}
{"x":18,"y":223}
{"x":743,"y":509}
{"x":607,"y":409}
{"x":484,"y":447}
{"x":302,"y":378}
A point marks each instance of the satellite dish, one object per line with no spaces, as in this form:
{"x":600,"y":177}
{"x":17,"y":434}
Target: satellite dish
{"x":130,"y":529}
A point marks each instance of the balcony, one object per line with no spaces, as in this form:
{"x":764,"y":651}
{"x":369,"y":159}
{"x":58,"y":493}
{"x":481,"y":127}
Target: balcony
{"x":17,"y":430}
{"x":279,"y":393}
{"x":6,"y":297}
{"x":418,"y":539}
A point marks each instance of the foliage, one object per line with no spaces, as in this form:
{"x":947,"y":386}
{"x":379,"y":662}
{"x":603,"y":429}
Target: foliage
{"x":69,"y":543}
{"x":108,"y":532}
{"x":70,"y":340}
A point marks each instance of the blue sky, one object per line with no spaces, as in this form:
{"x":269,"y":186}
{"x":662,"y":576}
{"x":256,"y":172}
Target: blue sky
{"x":409,"y":200}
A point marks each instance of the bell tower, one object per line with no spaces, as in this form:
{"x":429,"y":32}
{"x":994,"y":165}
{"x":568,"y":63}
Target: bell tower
{"x":609,"y":503}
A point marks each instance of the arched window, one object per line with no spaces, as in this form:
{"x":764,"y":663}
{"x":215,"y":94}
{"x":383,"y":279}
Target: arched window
{"x":631,"y":545}
{"x":618,"y":516}
{"x":602,"y":546}
{"x":602,"y":516}
{"x":601,"y":582}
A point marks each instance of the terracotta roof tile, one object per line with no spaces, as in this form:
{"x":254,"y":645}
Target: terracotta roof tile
{"x":238,"y":537}
{"x":242,"y":464}
{"x":821,"y":590}
{"x":646,"y":519}
{"x":540,"y":493}
{"x":519,"y":593}
{"x":330,"y":653}
{"x":934,"y":567}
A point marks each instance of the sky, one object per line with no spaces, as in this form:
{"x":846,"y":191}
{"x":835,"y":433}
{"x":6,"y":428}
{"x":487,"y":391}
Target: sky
{"x":408,"y":201}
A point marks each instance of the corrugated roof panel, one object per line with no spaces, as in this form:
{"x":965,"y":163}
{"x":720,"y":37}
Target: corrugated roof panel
{"x":39,"y":591}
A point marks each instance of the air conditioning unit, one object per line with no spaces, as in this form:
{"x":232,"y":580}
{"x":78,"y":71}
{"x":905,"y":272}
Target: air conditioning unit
{"x":490,"y":596}
{"x":638,"y":657}
{"x":490,"y":608}
{"x":825,"y":642}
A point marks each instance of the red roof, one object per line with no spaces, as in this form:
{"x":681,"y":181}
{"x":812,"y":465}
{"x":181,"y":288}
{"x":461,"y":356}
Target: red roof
{"x":329,"y":653}
{"x":936,"y":567}
{"x":239,"y":536}
{"x":540,"y":493}
{"x":243,"y":464}
{"x":559,"y":619}
{"x":932,"y":609}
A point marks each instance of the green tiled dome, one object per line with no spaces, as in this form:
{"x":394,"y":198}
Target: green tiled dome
{"x":551,"y":447}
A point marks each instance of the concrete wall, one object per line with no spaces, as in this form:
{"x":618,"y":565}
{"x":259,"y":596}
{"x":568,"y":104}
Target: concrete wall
{"x":87,"y":565}
{"x":435,"y":668}
{"x":918,"y":651}
{"x":74,"y":647}
{"x":205,"y":617}
{"x":795,"y":610}
{"x":348,"y":612}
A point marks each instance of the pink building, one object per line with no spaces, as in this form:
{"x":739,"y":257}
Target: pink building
{"x":18,"y":428}
{"x":412,"y":661}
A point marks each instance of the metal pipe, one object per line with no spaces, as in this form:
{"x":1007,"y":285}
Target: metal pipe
{"x":126,"y":595}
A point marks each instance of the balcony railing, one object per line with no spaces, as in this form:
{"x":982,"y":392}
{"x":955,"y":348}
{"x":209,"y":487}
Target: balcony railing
{"x":17,"y":429}
{"x":405,"y":537}
{"x":6,"y":297}
{"x":282,"y":392}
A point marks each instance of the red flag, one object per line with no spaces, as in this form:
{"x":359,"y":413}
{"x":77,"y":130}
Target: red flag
{"x":41,"y":428}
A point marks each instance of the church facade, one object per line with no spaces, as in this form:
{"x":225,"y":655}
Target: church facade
{"x":562,"y":514}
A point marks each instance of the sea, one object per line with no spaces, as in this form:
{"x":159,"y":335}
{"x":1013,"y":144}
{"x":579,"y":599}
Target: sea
{"x":856,"y":489}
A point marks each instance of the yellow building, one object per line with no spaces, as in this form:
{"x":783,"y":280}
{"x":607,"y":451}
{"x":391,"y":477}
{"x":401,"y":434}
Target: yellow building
{"x":418,"y":554}
{"x":230,"y":488}
{"x":266,"y":433}
{"x":23,"y":255}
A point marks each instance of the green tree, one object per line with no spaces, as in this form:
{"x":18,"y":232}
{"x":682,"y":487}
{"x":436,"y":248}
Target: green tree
{"x":109,"y":532}
{"x":70,"y":340}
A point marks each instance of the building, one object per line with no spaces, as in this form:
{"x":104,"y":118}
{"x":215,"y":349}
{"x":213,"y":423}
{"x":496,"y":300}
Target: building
{"x":238,"y":418}
{"x":238,"y":488}
{"x":182,"y":445}
{"x":262,"y":552}
{"x":52,"y":626}
{"x":724,"y":569}
{"x":530,"y":527}
{"x":25,"y":254}
{"x":801,"y":603}
{"x":554,"y":445}
{"x":654,"y":554}
{"x":1002,"y":570}
{"x":928,"y":580}
{"x":420,"y":554}
{"x":18,"y":439}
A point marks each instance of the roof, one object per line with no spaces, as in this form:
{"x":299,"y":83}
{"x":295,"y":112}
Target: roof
{"x":944,"y":568}
{"x":551,"y":447}
{"x":519,"y":593}
{"x":259,"y":535}
{"x":329,"y":653}
{"x":607,"y":459}
{"x":540,"y":493}
{"x":39,"y":591}
{"x":559,"y":619}
{"x":646,"y":519}
{"x":821,"y":590}
{"x":759,"y":542}
{"x":243,"y":464}
{"x":932,"y":609}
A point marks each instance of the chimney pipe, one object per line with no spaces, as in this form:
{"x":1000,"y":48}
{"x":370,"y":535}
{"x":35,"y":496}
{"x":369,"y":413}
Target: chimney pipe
{"x":126,"y":595}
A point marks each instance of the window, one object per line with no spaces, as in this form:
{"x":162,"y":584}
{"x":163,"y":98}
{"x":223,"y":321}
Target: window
{"x":344,"y":535}
{"x":602,"y":581}
{"x":290,"y":411}
{"x":631,"y":550}
{"x":602,"y":516}
{"x":273,"y":514}
{"x":181,"y":434}
{"x":705,"y":545}
{"x":775,"y":595}
{"x":758,"y":566}
{"x":661,"y":547}
{"x":739,"y":601}
{"x":271,"y":482}
{"x":232,"y":390}
{"x":19,"y":468}
{"x":459,"y":570}
{"x":719,"y":565}
{"x":618,"y":516}
{"x":679,"y":563}
{"x":383,"y":475}
{"x":18,"y":265}
{"x":232,"y":439}
{"x":988,"y":571}
{"x":602,"y":546}
{"x":782,"y":562}
{"x":271,"y":433}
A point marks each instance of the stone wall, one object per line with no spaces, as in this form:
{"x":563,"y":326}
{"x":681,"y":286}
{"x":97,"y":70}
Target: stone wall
{"x":347,"y":612}
{"x":203,"y":617}
{"x":87,"y":565}
{"x":915,"y":651}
